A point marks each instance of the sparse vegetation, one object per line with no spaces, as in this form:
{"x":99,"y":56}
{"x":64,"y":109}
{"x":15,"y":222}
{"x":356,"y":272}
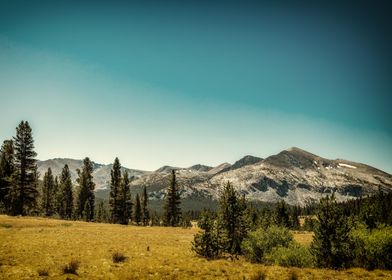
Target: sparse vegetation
{"x":118,"y":257}
{"x":293,"y":275}
{"x":71,"y":267}
{"x":260,"y":275}
{"x":34,"y":243}
{"x":43,"y":272}
{"x":5,"y":225}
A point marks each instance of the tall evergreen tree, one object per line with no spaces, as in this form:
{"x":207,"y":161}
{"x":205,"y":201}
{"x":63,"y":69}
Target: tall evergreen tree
{"x":6,"y":171}
{"x":172,"y":210}
{"x":294,"y":217}
{"x":85,"y":191}
{"x":331,"y":245}
{"x":232,"y":219}
{"x":124,"y":200}
{"x":24,"y":190}
{"x":145,"y":211}
{"x":56,"y":194}
{"x":65,"y":198}
{"x":138,"y":211}
{"x":48,"y":194}
{"x":206,"y":244}
{"x":100,"y":212}
{"x":282,"y":214}
{"x":114,"y":199}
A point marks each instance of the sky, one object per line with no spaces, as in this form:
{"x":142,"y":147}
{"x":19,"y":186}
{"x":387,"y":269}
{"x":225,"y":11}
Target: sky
{"x":185,"y":82}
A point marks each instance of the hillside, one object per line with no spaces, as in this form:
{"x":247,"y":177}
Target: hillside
{"x":294,"y":175}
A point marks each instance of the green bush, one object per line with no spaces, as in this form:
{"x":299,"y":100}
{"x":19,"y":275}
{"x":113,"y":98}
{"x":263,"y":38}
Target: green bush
{"x":260,"y":242}
{"x":206,"y":244}
{"x":294,"y":255}
{"x":372,"y":249}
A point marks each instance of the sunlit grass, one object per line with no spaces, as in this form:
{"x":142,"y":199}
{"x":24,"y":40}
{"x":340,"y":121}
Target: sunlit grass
{"x":33,"y":246}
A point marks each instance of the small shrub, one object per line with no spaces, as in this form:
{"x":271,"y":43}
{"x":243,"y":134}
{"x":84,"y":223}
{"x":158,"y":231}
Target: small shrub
{"x":294,"y":255}
{"x":293,"y":275}
{"x":66,"y":224}
{"x":5,"y":225}
{"x":260,"y":275}
{"x":260,"y":242}
{"x":71,"y":267}
{"x":43,"y":272}
{"x":118,"y":257}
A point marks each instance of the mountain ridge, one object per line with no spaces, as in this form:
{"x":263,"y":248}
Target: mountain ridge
{"x":294,"y":175}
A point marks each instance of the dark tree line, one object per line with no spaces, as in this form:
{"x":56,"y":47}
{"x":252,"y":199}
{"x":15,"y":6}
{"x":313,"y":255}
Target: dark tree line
{"x":22,"y":193}
{"x":372,"y":210}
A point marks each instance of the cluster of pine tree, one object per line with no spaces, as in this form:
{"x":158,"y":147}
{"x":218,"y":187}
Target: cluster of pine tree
{"x":373,"y":210}
{"x":354,"y":233}
{"x":21,"y":193}
{"x":280,"y":214}
{"x":122,"y":209}
{"x":225,"y":230}
{"x":18,"y":173}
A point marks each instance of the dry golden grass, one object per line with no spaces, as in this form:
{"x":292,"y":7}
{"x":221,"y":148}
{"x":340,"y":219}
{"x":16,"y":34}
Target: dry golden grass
{"x":303,"y":237}
{"x":33,"y":246}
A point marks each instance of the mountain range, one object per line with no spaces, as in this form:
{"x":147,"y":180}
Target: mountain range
{"x":293,"y":175}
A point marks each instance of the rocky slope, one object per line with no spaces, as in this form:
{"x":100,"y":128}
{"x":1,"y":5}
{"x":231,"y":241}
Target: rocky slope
{"x":294,"y":175}
{"x":299,"y":177}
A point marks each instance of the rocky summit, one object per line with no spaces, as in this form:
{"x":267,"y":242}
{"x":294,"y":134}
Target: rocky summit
{"x":293,"y":175}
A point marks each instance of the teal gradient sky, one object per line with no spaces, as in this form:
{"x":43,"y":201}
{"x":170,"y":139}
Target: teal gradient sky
{"x":189,"y":82}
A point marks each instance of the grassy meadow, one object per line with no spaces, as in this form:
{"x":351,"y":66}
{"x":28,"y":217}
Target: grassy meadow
{"x":39,"y":248}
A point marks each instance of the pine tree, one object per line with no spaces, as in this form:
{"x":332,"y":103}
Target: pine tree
{"x":145,"y":211}
{"x":282,"y":214}
{"x":294,"y":220}
{"x":172,"y":211}
{"x":331,"y":245}
{"x":85,"y":191}
{"x":48,"y":194}
{"x":124,"y":200}
{"x":206,"y":244}
{"x":114,"y":199}
{"x":155,"y":219}
{"x":56,"y":194}
{"x":138,"y":211}
{"x":6,"y":171}
{"x":100,"y":212}
{"x":232,"y":220}
{"x":24,"y":191}
{"x":65,"y":198}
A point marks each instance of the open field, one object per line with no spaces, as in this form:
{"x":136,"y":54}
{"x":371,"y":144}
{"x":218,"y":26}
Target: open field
{"x":29,"y":246}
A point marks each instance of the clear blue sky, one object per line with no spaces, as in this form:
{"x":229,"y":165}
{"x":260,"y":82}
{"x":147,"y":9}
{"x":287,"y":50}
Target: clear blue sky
{"x":192,"y":82}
